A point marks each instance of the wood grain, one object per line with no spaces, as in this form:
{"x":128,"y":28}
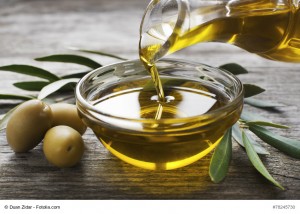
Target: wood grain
{"x":30,"y":29}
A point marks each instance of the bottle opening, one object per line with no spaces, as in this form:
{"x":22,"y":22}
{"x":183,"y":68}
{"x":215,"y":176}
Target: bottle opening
{"x":158,"y":24}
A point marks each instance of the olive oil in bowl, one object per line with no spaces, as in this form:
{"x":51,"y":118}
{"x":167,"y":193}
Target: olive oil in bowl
{"x":121,"y":105}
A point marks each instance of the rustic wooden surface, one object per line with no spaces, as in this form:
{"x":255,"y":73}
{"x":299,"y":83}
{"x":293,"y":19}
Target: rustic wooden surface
{"x":31,"y":28}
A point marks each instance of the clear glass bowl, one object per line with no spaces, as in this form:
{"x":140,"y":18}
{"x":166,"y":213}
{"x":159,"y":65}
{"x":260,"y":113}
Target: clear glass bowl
{"x":161,"y":143}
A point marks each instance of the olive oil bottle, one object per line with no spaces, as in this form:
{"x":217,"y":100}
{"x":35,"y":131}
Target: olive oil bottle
{"x":268,"y":28}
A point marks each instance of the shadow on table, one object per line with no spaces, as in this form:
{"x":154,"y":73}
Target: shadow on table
{"x":130,"y":182}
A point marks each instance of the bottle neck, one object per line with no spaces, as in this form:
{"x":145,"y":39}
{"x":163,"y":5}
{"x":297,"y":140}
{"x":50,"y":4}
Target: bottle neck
{"x":162,"y":22}
{"x":165,"y":22}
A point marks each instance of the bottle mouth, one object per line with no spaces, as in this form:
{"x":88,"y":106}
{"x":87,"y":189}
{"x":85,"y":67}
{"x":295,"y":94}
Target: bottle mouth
{"x":162,"y":20}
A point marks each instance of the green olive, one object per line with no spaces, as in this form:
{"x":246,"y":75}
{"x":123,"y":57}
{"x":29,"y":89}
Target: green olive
{"x":63,"y":146}
{"x":27,"y":125}
{"x":66,"y":114}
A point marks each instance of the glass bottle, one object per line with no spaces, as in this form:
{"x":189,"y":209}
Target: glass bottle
{"x":269,"y":28}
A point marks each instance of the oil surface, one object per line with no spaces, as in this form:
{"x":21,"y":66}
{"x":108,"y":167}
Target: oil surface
{"x":157,"y":145}
{"x":139,"y":100}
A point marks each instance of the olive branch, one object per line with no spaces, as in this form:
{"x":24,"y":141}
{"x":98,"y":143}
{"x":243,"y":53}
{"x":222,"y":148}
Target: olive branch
{"x":52,"y":88}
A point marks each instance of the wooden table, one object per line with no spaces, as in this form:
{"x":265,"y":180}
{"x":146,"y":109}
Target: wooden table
{"x":30,"y":29}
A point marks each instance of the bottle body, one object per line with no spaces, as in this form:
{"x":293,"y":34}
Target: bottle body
{"x":268,"y":28}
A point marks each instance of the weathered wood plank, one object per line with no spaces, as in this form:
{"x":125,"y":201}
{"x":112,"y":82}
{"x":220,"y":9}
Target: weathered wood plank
{"x":30,"y":29}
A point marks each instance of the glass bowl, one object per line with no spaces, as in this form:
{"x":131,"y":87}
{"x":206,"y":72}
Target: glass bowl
{"x":119,"y":103}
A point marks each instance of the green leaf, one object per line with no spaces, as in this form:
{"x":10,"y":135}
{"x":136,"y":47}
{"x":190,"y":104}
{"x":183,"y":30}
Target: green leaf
{"x":290,"y":147}
{"x":248,"y":116}
{"x":55,"y":86}
{"x":69,"y":58}
{"x":15,"y":97}
{"x":252,"y":90}
{"x":30,"y":70}
{"x":98,"y":53}
{"x":4,"y":120}
{"x":256,"y":162}
{"x":264,"y":123}
{"x":234,"y":68}
{"x":261,"y":103}
{"x":221,"y":158}
{"x":237,"y":135}
{"x":75,"y":75}
{"x":49,"y":101}
{"x":31,"y":85}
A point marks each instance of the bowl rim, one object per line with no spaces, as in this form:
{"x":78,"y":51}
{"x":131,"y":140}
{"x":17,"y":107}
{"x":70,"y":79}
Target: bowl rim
{"x":81,"y":102}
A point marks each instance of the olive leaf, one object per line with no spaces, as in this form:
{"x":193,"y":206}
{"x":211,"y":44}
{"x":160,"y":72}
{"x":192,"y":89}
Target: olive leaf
{"x":5,"y":118}
{"x":261,"y":103}
{"x":248,"y":116}
{"x":30,"y":70}
{"x":98,"y":53}
{"x":15,"y":97}
{"x":51,"y":100}
{"x":252,"y":90}
{"x":70,"y":58}
{"x":264,"y":123}
{"x":237,"y":135}
{"x":234,"y":68}
{"x":55,"y":86}
{"x":75,"y":75}
{"x":256,"y":162}
{"x":289,"y":146}
{"x":31,"y":85}
{"x":221,"y":158}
